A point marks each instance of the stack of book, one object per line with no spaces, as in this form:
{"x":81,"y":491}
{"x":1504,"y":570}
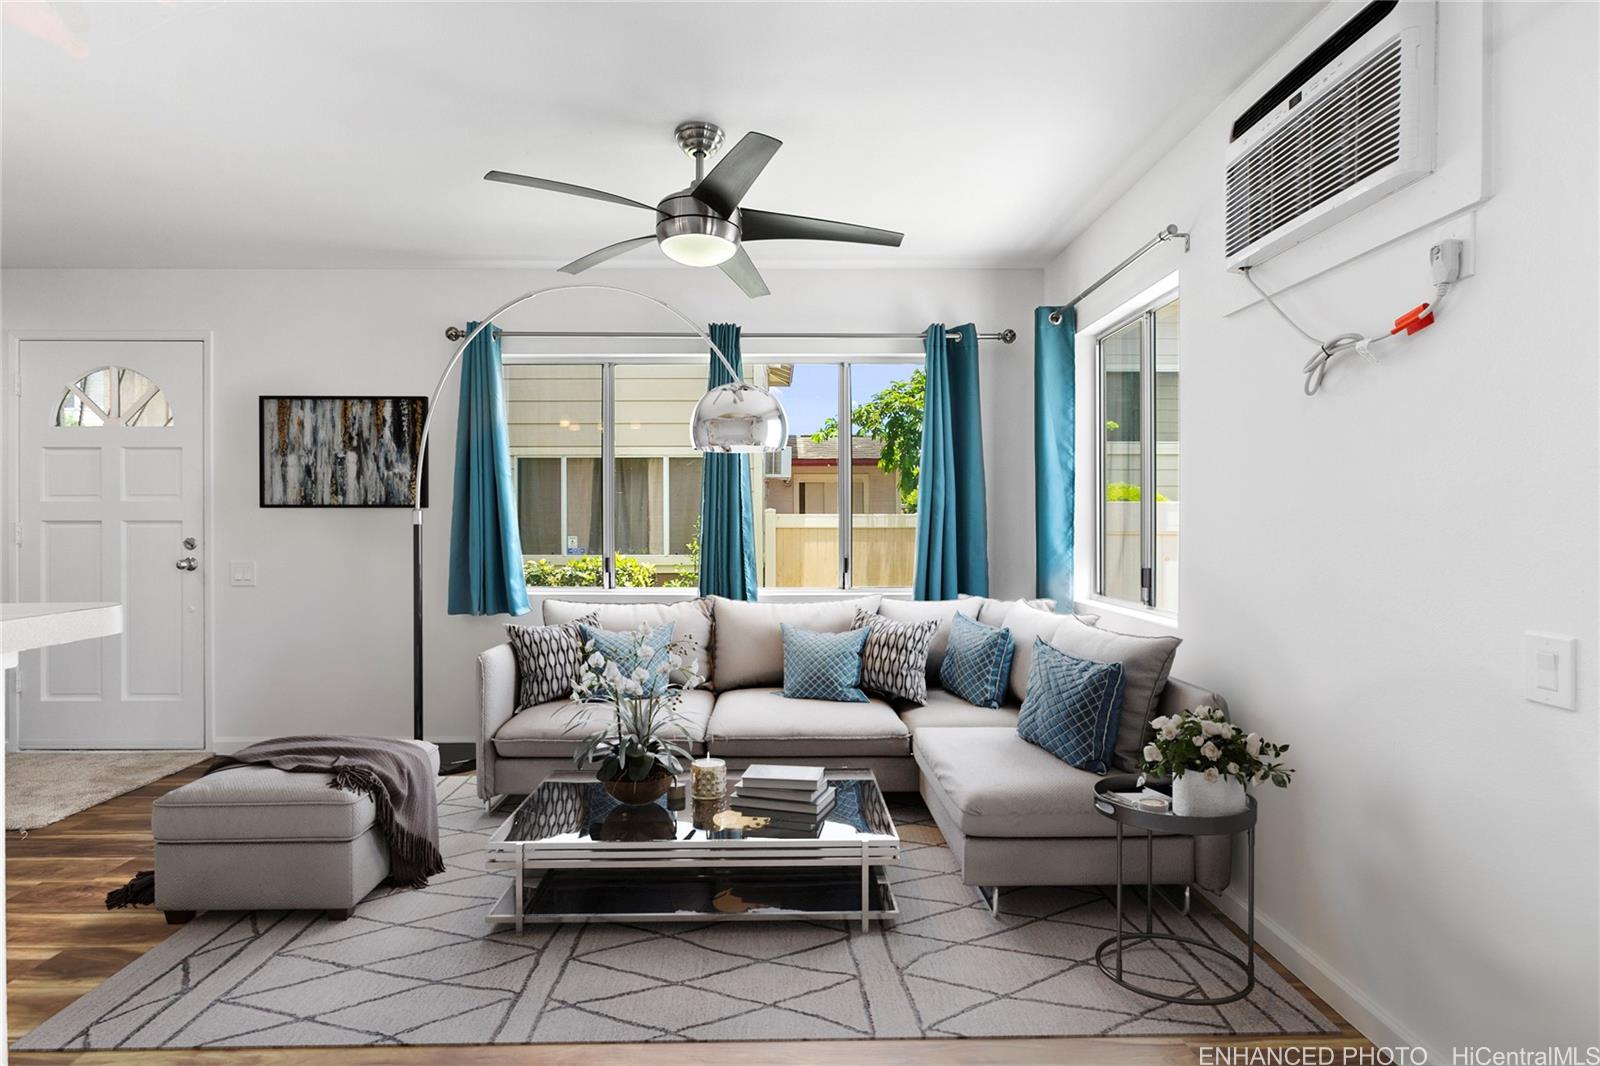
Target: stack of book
{"x":795,"y":800}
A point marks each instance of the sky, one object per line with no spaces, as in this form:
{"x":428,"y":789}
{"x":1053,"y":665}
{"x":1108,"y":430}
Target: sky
{"x":814,"y":396}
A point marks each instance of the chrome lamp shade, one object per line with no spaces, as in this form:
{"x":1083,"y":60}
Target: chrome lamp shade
{"x":739,"y":417}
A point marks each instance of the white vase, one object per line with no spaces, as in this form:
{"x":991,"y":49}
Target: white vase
{"x":1195,"y":797}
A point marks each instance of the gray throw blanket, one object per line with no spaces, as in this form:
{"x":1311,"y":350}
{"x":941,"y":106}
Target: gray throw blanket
{"x":395,"y":774}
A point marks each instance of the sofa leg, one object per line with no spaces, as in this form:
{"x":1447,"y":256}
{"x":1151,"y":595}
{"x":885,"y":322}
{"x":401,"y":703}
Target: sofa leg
{"x":179,"y":917}
{"x":339,"y":914}
{"x":992,"y":898}
{"x":1188,"y":899}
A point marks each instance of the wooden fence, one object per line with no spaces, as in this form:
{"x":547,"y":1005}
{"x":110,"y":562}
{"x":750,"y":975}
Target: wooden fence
{"x":802,"y":550}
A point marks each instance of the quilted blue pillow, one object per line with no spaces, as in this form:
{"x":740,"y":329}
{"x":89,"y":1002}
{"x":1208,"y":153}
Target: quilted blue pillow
{"x":1072,"y":707}
{"x":620,"y":648}
{"x":977,"y":661}
{"x":823,"y":666}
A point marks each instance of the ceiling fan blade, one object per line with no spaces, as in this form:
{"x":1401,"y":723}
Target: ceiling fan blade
{"x":745,"y":275}
{"x":723,"y":188}
{"x":610,"y":251}
{"x":775,"y":225}
{"x":561,"y":186}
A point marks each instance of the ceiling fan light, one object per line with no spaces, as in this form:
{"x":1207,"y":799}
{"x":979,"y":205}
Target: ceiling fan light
{"x":739,"y":417}
{"x":698,"y":249}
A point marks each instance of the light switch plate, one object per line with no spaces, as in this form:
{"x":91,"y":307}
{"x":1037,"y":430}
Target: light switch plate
{"x":1548,"y":670}
{"x":242,"y":574}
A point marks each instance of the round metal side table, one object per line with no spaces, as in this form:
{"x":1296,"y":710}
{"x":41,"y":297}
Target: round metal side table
{"x":1153,"y":822}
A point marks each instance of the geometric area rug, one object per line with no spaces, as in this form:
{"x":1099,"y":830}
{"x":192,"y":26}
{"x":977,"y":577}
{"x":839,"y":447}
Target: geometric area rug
{"x":423,"y":967}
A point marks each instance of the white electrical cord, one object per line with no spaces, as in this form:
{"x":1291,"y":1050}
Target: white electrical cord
{"x":1317,"y":366}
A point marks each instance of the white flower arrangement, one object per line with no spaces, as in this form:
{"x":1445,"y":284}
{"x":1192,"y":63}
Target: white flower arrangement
{"x":644,"y":704}
{"x":1203,"y":740}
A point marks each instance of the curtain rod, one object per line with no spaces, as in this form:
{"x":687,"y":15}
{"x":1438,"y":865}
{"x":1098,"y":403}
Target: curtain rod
{"x":455,"y":333}
{"x":1170,"y":233}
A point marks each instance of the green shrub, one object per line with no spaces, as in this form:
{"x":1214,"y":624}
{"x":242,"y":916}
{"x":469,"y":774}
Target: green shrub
{"x":1122,"y":492}
{"x":586,"y":571}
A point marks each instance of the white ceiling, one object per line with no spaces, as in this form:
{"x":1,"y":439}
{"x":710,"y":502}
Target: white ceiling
{"x":351,"y":134}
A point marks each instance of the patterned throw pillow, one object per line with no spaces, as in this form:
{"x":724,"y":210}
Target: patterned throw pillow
{"x":620,"y":648}
{"x":894,"y":662}
{"x":977,"y":663}
{"x":547,"y":660}
{"x":1072,"y":707}
{"x":822,"y":666}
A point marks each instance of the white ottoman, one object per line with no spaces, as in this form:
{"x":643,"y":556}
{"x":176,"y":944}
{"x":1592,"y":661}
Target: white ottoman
{"x":255,"y":838}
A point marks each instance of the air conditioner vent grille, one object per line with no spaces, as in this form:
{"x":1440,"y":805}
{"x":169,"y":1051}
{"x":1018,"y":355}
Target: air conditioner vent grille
{"x":1346,"y":135}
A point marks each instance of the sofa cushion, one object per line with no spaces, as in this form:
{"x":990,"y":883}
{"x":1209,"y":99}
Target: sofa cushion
{"x":627,"y":650}
{"x":978,"y":664}
{"x":691,"y":621}
{"x":1027,"y":624}
{"x":1145,"y":661}
{"x":992,"y":612}
{"x":253,"y":803}
{"x":547,"y":659}
{"x":749,"y":644}
{"x":1072,"y":708}
{"x":822,"y":666}
{"x":947,"y":709}
{"x":894,"y":660}
{"x":546,"y":731}
{"x":940,"y":611}
{"x":760,"y":722}
{"x":995,"y":784}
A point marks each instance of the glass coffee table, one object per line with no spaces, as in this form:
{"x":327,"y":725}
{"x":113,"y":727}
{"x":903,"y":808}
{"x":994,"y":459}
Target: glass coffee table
{"x":592,"y":858}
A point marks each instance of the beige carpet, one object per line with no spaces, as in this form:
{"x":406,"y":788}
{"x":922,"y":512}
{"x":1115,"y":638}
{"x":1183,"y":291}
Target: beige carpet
{"x":46,"y":786}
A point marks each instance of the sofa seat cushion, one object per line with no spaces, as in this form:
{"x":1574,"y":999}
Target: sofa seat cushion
{"x":761,"y":722}
{"x":545,"y":731}
{"x":995,"y":784}
{"x":947,"y":709}
{"x":260,"y":803}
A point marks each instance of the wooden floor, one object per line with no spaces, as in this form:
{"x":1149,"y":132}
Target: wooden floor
{"x":61,"y":942}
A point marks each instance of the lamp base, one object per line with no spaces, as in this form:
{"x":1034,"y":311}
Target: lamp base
{"x":457,"y":757}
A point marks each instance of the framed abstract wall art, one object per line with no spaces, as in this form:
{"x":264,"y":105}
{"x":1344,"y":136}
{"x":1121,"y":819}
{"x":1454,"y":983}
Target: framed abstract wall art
{"x":341,"y":451}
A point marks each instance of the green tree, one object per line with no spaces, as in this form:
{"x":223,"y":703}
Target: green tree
{"x":894,"y":418}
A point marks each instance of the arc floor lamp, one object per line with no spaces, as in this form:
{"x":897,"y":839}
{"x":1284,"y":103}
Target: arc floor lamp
{"x":734,"y":417}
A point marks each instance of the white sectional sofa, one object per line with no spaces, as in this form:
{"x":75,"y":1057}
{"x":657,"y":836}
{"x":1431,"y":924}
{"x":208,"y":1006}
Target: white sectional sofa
{"x":1012,"y":813}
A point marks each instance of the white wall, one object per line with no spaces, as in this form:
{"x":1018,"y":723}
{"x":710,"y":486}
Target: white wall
{"x":1358,"y":570}
{"x":323,"y":643}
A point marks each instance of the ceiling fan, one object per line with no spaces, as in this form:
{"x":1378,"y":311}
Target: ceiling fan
{"x":704,"y":225}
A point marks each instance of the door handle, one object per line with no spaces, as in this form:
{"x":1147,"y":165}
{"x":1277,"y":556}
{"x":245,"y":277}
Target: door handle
{"x":188,"y":563}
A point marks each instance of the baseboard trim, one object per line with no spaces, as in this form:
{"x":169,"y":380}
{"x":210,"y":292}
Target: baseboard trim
{"x":1338,"y":991}
{"x":229,"y":745}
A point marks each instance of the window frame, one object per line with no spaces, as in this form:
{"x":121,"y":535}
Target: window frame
{"x":608,"y":362}
{"x":1142,"y":310}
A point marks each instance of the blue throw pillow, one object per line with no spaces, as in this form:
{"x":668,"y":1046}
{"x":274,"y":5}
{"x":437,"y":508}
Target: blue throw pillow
{"x":620,"y":648}
{"x":978,"y":661}
{"x":823,"y":666}
{"x":1071,"y":707}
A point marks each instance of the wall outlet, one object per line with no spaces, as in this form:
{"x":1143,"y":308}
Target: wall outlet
{"x":1548,"y":672}
{"x":1463,"y":228}
{"x":242,"y":574}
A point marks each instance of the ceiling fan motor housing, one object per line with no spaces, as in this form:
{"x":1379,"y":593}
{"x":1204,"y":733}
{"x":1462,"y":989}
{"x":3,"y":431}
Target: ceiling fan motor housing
{"x":681,"y":213}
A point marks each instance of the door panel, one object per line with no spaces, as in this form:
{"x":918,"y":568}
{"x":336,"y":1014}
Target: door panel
{"x":110,"y":491}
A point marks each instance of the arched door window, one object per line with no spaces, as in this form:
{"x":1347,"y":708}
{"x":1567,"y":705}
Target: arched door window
{"x":113,"y":396}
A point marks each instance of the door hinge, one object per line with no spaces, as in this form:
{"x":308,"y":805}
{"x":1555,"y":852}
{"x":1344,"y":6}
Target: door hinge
{"x":16,"y":532}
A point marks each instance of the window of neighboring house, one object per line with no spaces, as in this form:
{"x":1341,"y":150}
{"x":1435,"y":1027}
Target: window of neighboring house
{"x":1136,"y":366}
{"x":643,"y":491}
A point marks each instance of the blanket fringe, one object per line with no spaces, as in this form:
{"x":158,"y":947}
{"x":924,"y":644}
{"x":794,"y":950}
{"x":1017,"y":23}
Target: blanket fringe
{"x":140,"y":891}
{"x":412,"y":858}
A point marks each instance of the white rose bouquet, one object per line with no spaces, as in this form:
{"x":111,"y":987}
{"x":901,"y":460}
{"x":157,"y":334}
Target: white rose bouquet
{"x":1202,"y":741}
{"x":644,"y":702}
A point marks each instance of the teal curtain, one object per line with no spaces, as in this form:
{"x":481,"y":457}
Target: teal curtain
{"x":1055,"y":386}
{"x":727,"y":523}
{"x":952,"y":505}
{"x":485,"y":546}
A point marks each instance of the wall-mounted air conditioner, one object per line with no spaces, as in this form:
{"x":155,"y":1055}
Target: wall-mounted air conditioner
{"x":777,"y":464}
{"x":1348,"y":124}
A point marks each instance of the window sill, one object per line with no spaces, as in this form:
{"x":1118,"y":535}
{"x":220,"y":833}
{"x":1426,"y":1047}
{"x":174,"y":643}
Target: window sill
{"x":587,"y":594}
{"x":1141,"y":618}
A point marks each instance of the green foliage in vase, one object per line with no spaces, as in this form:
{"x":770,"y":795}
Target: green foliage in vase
{"x":639,"y":741}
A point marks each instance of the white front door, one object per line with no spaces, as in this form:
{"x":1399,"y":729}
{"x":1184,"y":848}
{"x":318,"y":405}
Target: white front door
{"x":110,"y":479}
